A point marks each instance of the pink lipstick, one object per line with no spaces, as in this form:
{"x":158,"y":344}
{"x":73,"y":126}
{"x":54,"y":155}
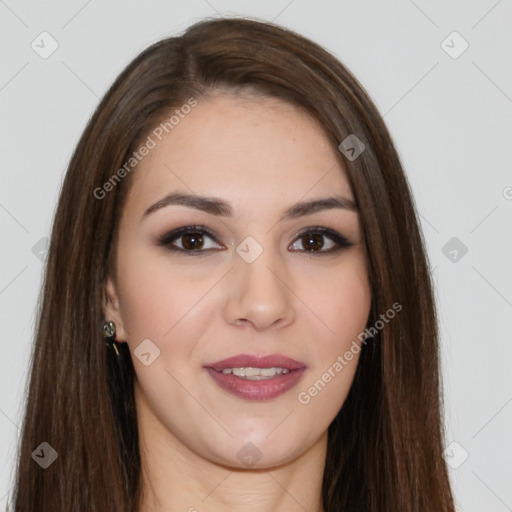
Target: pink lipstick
{"x":254,"y":377}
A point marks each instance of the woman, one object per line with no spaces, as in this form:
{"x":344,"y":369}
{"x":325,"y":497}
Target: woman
{"x":236,"y":222}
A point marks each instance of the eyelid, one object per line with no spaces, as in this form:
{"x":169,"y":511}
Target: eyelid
{"x":339,"y":239}
{"x":342,"y":241}
{"x":166,"y":239}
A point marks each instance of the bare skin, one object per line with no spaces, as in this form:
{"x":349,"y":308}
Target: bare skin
{"x":297,"y":298}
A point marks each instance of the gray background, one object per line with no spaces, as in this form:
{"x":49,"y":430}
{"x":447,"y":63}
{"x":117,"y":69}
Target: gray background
{"x":450,"y":119}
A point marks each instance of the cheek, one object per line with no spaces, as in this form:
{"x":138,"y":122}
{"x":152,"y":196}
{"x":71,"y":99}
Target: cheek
{"x":159,"y":298}
{"x":342,"y":303}
{"x":341,"y":300}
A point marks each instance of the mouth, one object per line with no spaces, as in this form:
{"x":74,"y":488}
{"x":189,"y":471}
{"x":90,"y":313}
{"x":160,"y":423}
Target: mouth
{"x":256,"y":378}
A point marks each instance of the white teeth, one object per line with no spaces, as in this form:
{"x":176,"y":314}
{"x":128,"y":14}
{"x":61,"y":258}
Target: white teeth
{"x":250,"y":373}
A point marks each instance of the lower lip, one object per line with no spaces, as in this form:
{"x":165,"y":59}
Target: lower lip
{"x":257,"y":389}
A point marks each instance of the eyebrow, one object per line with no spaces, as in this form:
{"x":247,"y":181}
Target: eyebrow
{"x":219,"y":207}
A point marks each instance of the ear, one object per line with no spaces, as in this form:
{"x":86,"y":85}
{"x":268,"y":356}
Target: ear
{"x":112,"y":309}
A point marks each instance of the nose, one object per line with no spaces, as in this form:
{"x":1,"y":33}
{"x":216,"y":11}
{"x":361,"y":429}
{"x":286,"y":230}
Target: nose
{"x":260,"y":293}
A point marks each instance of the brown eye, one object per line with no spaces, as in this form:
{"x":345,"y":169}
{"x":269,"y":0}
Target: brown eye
{"x":192,"y":241}
{"x":312,"y":242}
{"x":320,"y":241}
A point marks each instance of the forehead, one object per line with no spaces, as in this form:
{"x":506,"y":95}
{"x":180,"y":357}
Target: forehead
{"x":245,"y":149}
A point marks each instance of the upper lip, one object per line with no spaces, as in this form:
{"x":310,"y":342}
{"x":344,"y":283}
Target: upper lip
{"x":254,"y":361}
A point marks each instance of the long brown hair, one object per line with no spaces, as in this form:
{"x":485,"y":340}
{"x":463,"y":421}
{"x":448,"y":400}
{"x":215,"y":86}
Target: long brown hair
{"x":385,"y":445}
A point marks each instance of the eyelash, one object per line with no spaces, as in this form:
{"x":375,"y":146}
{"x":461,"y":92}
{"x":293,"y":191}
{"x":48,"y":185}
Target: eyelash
{"x":339,"y":239}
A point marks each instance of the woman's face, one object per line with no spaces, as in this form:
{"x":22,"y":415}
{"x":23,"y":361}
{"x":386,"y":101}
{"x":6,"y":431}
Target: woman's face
{"x":265,"y":273}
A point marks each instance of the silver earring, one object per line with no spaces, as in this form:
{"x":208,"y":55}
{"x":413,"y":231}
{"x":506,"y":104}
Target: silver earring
{"x":109,"y":333}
